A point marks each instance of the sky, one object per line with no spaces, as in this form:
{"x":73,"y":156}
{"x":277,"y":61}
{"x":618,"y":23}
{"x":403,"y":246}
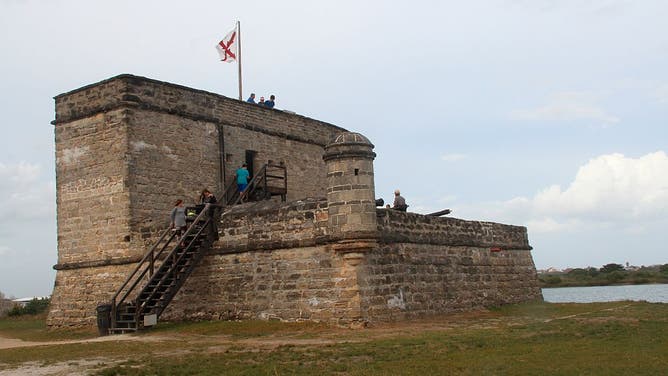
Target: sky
{"x":547,"y":114}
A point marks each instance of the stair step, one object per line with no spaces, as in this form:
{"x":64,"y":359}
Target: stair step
{"x":127,"y":322}
{"x":121,"y":330}
{"x":158,"y":285}
{"x":170,"y":272}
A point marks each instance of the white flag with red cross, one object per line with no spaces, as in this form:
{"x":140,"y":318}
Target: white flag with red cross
{"x":227,"y":48}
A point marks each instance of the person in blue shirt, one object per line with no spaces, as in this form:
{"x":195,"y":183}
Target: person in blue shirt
{"x":270,"y":103}
{"x":251,"y":99}
{"x":242,"y":178}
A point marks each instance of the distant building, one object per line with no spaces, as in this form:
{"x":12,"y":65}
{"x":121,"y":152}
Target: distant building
{"x":22,"y":302}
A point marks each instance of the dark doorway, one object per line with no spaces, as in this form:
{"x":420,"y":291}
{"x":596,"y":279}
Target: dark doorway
{"x":250,"y":157}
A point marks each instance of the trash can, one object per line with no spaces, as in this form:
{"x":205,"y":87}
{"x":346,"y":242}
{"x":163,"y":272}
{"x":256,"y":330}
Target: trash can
{"x":103,"y":319}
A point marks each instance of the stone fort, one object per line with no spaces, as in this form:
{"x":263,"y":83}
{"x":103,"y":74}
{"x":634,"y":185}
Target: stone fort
{"x":128,"y":147}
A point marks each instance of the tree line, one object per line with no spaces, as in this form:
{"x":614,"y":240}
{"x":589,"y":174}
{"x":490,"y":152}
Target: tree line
{"x":608,"y":274}
{"x":33,"y":307}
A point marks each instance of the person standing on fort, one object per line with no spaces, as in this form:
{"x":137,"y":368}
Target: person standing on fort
{"x":261,"y":102}
{"x":178,"y":218}
{"x":271,"y":102}
{"x":251,"y":99}
{"x":242,"y":176}
{"x":399,"y":201}
{"x":208,"y":198}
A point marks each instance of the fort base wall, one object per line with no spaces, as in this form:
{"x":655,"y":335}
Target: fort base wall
{"x":77,"y":293}
{"x":406,"y":280}
{"x":280,"y":262}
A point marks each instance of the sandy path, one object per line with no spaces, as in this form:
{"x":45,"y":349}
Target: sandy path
{"x":9,"y":343}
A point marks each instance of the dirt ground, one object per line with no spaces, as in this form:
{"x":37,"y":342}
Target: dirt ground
{"x":74,"y":368}
{"x":480,"y":319}
{"x":9,"y":343}
{"x":334,"y":336}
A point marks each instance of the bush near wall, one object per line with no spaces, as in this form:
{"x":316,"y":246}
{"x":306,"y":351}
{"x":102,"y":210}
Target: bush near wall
{"x":33,"y":307}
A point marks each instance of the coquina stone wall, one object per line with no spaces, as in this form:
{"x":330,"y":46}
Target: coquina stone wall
{"x":77,"y":292}
{"x":428,"y":265}
{"x":273,"y":261}
{"x":282,"y":261}
{"x":128,"y":147}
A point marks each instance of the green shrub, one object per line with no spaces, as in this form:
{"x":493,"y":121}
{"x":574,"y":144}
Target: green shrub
{"x":33,"y":307}
{"x":610,"y":268}
{"x":614,"y":276}
{"x":551,"y":280}
{"x":592,"y":271}
{"x":578,"y":273}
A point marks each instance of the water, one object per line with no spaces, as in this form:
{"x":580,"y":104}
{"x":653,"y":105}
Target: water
{"x":650,"y":293}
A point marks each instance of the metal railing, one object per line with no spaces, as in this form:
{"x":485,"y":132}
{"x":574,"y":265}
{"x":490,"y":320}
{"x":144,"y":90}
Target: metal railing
{"x":146,"y":267}
{"x":272,"y":179}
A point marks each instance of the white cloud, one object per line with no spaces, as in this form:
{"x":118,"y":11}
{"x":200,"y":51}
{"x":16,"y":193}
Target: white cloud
{"x":23,"y":196}
{"x":543,"y":225}
{"x":661,"y":94}
{"x":27,"y":229}
{"x":21,"y":174}
{"x":612,"y":187}
{"x":448,"y":199}
{"x":609,"y":191}
{"x":453,"y":157}
{"x":568,"y":106}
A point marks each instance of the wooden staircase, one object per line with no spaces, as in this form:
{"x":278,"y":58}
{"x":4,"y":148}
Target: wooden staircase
{"x":157,"y":278}
{"x":152,"y":285}
{"x":270,"y":181}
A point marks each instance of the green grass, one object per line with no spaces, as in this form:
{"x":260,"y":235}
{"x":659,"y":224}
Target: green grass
{"x":528,"y":339}
{"x":33,"y":328}
{"x":242,"y":329}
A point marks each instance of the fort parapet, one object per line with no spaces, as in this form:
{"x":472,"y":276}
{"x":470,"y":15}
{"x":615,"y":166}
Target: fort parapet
{"x":127,"y":147}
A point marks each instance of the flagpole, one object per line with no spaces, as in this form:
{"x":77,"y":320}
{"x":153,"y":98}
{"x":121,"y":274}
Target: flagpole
{"x":239,"y":58}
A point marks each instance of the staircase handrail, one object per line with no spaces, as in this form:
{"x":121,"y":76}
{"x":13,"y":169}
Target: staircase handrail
{"x":227,"y":198}
{"x":140,"y":309}
{"x":146,"y":257}
{"x":261,"y":179}
{"x":150,"y":257}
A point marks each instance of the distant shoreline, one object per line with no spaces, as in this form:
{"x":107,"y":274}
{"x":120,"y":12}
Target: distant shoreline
{"x":542,"y":285}
{"x":607,"y":275}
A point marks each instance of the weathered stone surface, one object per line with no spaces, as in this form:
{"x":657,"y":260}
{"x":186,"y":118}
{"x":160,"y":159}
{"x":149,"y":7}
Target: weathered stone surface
{"x":127,"y":147}
{"x":403,"y":280}
{"x":77,"y":293}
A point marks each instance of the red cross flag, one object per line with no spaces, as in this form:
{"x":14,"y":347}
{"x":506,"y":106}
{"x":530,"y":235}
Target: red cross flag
{"x":227,"y":48}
